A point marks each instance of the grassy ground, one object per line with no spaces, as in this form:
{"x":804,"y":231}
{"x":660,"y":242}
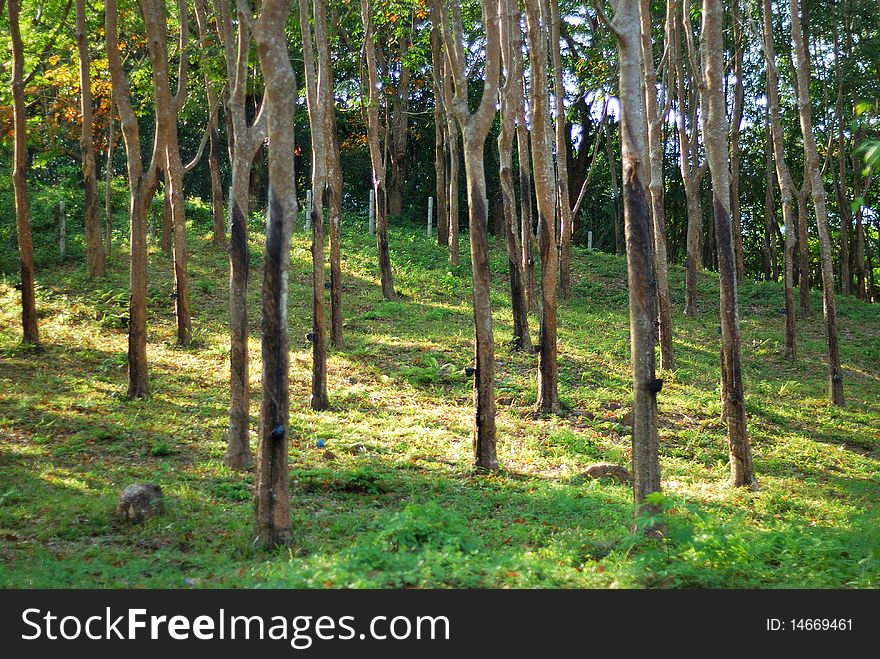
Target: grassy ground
{"x":391,"y":500}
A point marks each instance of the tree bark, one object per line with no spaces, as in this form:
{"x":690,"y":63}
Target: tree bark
{"x":742,"y":473}
{"x":378,"y":161}
{"x":92,"y":218}
{"x":319,"y":399}
{"x":545,"y":196}
{"x":812,"y":171}
{"x":687,"y":86}
{"x":523,"y":170}
{"x":843,"y":209}
{"x":245,"y":140}
{"x":640,"y":260}
{"x":803,"y":219}
{"x":219,"y":221}
{"x":510,"y":17}
{"x":272,"y":505}
{"x":654,"y":118}
{"x":108,"y":183}
{"x":142,"y":186}
{"x":735,"y":148}
{"x":783,"y":178}
{"x":398,"y":122}
{"x":440,"y":149}
{"x":566,"y":229}
{"x":475,"y":128}
{"x":30,"y":332}
{"x":167,"y":108}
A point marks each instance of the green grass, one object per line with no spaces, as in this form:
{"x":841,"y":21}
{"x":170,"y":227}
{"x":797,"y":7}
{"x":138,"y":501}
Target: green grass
{"x":392,"y":501}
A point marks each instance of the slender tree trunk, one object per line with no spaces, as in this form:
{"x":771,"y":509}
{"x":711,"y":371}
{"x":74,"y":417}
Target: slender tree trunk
{"x":91,"y":215}
{"x":333,"y":169}
{"x":378,"y":161}
{"x":142,"y":187}
{"x":563,"y":205}
{"x":398,"y":121}
{"x":545,"y":193}
{"x":272,"y":506}
{"x":654,"y":119}
{"x":167,"y":108}
{"x":165,"y":239}
{"x":812,"y":171}
{"x":519,"y":305}
{"x":619,"y":210}
{"x":771,"y":267}
{"x":716,"y":129}
{"x":30,"y":332}
{"x":735,"y":148}
{"x":640,"y":260}
{"x":861,"y":276}
{"x":475,"y":128}
{"x":108,"y":183}
{"x":840,"y":188}
{"x":804,"y":247}
{"x":440,"y":150}
{"x":523,"y":170}
{"x":319,"y":399}
{"x":783,"y":177}
{"x":244,"y":141}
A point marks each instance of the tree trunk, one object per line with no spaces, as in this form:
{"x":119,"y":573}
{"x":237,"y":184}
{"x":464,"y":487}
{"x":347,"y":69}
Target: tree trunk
{"x":523,"y":170}
{"x":735,"y":148}
{"x":475,"y":128}
{"x":30,"y":333}
{"x":563,"y":203}
{"x":843,"y":209}
{"x":378,"y":161}
{"x":545,"y":194}
{"x":716,"y":129}
{"x":440,"y":150}
{"x":398,"y":122}
{"x":142,"y":187}
{"x":804,"y":246}
{"x":783,"y":177}
{"x":91,"y":215}
{"x":167,"y":108}
{"x":108,"y":183}
{"x":640,"y":260}
{"x":686,"y":87}
{"x":244,"y":141}
{"x":319,"y":399}
{"x":272,"y":506}
{"x":654,"y":117}
{"x":812,"y":169}
{"x":519,"y":305}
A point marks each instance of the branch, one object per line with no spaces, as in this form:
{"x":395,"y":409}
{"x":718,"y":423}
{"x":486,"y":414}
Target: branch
{"x":600,"y":11}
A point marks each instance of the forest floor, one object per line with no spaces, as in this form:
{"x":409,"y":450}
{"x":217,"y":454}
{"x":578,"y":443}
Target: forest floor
{"x":391,"y":500}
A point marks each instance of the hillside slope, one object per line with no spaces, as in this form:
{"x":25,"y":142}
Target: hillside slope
{"x":391,"y":500}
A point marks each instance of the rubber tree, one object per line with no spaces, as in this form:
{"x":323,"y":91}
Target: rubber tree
{"x":272,"y":502}
{"x":655,"y":115}
{"x":639,"y":256}
{"x":245,"y":140}
{"x":377,"y":159}
{"x":95,"y":255}
{"x":715,"y":132}
{"x":168,"y":107}
{"x":142,"y":181}
{"x":813,"y":170}
{"x":685,"y":69}
{"x":538,"y":24}
{"x":30,"y":331}
{"x":783,"y":179}
{"x":510,"y":18}
{"x":474,"y":129}
{"x":316,"y":108}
